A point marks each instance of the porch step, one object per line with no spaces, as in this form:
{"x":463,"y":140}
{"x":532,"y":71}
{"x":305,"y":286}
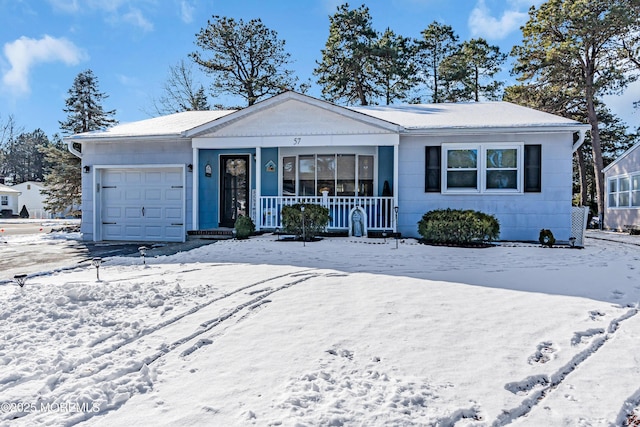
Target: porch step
{"x":211,"y":234}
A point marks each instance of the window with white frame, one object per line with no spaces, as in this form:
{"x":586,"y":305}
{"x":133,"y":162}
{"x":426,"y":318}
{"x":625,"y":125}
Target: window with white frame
{"x":482,"y":168}
{"x":4,"y":200}
{"x":624,"y":191}
{"x":337,"y":174}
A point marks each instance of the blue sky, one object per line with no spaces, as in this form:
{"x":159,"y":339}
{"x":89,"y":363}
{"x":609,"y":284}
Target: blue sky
{"x":130,"y":44}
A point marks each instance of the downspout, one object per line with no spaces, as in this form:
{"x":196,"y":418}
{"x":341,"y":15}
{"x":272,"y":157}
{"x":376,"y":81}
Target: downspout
{"x":580,"y":140}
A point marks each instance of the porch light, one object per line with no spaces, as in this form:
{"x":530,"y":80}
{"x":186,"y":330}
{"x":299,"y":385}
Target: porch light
{"x":20,"y":279}
{"x":190,"y":167}
{"x":143,"y":253}
{"x":86,"y":169}
{"x":96,"y":263}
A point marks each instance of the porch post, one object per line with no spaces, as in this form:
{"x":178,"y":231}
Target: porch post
{"x":395,"y":183}
{"x":258,"y":208}
{"x":195,"y":182}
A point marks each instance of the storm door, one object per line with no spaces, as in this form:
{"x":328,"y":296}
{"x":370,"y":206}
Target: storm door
{"x":234,"y":190}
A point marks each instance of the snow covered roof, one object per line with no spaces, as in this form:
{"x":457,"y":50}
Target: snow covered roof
{"x":171,"y":125}
{"x":6,"y":189}
{"x":465,"y":115}
{"x":411,"y":118}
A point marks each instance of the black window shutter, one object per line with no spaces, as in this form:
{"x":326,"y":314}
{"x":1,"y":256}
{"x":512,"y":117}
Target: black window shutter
{"x":432,"y":171}
{"x":533,"y":168}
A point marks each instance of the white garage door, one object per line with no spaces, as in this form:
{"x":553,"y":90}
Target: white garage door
{"x":142,"y":204}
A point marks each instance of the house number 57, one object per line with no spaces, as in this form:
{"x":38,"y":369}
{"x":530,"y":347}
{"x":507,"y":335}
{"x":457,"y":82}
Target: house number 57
{"x":296,"y":141}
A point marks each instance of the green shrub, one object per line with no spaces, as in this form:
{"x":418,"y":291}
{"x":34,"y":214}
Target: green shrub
{"x":316,"y":218}
{"x":458,"y":227}
{"x":546,"y":238}
{"x":244,"y":227}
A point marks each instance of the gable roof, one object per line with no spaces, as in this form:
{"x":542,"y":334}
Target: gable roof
{"x":290,"y":96}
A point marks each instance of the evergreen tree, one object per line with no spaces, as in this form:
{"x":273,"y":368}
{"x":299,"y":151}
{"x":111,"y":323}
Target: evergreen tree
{"x":583,"y":44}
{"x":63,"y":178}
{"x":395,"y":66}
{"x":84,"y":106}
{"x":245,"y":59}
{"x":22,"y":160}
{"x":469,"y":72}
{"x":348,"y":69}
{"x":438,"y":42}
{"x":63,"y":183}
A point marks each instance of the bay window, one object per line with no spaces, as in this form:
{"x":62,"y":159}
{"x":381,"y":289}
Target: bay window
{"x":337,"y":174}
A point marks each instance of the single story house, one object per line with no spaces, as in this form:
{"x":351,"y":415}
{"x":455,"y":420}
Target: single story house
{"x":160,"y":178}
{"x":8,"y":201}
{"x":32,"y":199}
{"x":622,"y":181}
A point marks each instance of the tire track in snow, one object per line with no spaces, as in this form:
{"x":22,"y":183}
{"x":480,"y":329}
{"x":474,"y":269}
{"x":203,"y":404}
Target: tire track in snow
{"x":549,"y":384}
{"x":60,"y":388}
{"x":52,"y":380}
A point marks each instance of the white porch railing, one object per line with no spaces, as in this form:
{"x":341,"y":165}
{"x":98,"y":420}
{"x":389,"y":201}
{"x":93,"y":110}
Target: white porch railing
{"x":379,"y":210}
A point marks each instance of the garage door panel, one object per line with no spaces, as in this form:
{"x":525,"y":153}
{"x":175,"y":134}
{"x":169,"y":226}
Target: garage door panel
{"x":173,"y":194}
{"x":153,"y":213}
{"x":159,"y":191}
{"x":173,"y":214}
{"x":132,"y":212}
{"x":132,"y":178}
{"x":112,"y":213}
{"x":153,"y":194}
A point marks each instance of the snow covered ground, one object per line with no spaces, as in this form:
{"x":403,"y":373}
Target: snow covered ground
{"x":343,"y":331}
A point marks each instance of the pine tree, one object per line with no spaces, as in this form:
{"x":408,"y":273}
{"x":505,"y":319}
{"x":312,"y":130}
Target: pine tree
{"x":469,"y":72}
{"x":84,"y":106}
{"x":63,"y":180}
{"x":347,"y":72}
{"x":245,"y":59}
{"x":587,"y":44}
{"x":438,"y":42}
{"x":63,"y":183}
{"x":395,"y":66}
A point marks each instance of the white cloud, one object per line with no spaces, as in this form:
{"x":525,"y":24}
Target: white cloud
{"x":112,"y":8}
{"x":25,"y":53}
{"x":483,"y":24}
{"x":186,"y":12}
{"x":135,"y":17}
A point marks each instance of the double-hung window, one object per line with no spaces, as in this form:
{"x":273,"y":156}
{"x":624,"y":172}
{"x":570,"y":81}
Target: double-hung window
{"x":624,"y":191}
{"x":482,"y":168}
{"x":4,"y":200}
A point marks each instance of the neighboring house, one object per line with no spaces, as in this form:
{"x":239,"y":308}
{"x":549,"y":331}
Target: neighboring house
{"x":32,"y":198}
{"x":8,"y":201}
{"x":160,"y":178}
{"x":622,"y":181}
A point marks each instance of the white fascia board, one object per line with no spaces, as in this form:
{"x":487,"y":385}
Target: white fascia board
{"x":296,"y":141}
{"x":491,"y":130}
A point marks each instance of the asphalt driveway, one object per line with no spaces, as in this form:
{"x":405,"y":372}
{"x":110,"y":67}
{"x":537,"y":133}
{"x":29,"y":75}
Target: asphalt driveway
{"x":21,"y":254}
